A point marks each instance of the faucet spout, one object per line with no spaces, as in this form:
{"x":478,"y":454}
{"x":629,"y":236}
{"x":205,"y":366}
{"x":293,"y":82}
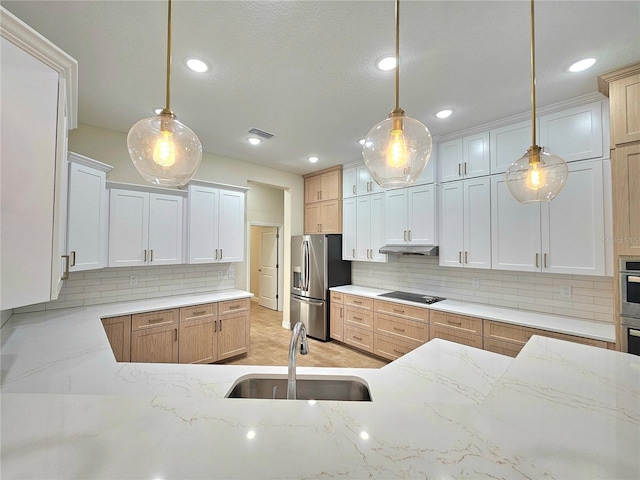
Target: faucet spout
{"x":299,"y":335}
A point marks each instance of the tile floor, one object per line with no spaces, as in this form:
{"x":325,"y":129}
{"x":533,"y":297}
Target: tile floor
{"x":270,"y":346}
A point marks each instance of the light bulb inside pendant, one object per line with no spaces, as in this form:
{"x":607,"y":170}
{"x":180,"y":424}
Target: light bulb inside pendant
{"x":535,"y":177}
{"x":165,"y":152}
{"x":397,"y":151}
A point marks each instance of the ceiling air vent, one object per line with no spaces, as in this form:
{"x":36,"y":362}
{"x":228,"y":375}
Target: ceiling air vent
{"x":260,"y":133}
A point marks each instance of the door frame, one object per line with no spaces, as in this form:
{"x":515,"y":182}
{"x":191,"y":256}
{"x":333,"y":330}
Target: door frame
{"x":280,"y":257}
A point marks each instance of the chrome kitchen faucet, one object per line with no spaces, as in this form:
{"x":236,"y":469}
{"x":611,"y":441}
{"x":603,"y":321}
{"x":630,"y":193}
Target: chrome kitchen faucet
{"x":299,"y":334}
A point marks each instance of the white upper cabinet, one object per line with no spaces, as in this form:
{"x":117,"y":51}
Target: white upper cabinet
{"x":410,"y":215}
{"x":563,"y":236}
{"x":216,"y":224}
{"x":467,"y":157}
{"x":508,"y":144}
{"x":349,"y":182}
{"x":370,"y":232}
{"x":573,"y":134}
{"x":87,"y":213}
{"x":145,"y":227}
{"x":39,"y":103}
{"x":428,"y":175}
{"x":366,"y":184}
{"x":349,"y":228}
{"x":465,"y":223}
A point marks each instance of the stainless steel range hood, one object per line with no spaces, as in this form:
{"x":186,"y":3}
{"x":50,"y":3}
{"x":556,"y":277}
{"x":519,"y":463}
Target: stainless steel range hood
{"x":426,"y":250}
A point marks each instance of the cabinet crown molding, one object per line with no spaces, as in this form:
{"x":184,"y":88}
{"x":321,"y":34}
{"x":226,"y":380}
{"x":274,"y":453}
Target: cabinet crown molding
{"x":146,"y":188}
{"x":89,"y":162}
{"x":224,"y":186}
{"x":320,"y":172}
{"x":606,"y":78}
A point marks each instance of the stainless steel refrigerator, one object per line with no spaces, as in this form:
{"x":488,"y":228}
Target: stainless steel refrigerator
{"x":317,"y":265}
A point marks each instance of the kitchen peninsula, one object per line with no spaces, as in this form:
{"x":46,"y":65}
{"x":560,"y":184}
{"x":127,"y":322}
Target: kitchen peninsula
{"x":69,"y":410}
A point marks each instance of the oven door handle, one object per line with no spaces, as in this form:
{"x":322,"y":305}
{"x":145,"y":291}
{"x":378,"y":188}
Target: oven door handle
{"x":633,"y":279}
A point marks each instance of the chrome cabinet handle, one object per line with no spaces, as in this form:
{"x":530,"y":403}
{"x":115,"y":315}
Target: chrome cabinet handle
{"x":73,"y":262}
{"x":537,"y":262}
{"x":151,"y":255}
{"x":459,"y":169}
{"x":465,"y":168}
{"x":145,"y":255}
{"x":220,"y":254}
{"x":354,"y":189}
{"x":459,"y":257}
{"x":466,"y":257}
{"x":404,"y":235}
{"x":354,"y":253}
{"x":65,"y":274}
{"x":409,"y":235}
{"x":545,"y":260}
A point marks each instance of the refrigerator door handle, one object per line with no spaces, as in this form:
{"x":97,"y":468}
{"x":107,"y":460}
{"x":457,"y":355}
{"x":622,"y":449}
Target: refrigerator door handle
{"x":315,"y":303}
{"x":306,"y":252}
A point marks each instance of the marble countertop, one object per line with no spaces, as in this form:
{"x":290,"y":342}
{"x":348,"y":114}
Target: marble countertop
{"x":559,"y":410}
{"x":555,"y":323}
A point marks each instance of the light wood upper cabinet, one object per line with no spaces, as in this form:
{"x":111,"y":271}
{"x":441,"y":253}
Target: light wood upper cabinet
{"x":626,"y":199}
{"x":323,"y":201}
{"x":325,"y":185}
{"x":323,"y":217}
{"x":145,"y":227}
{"x":87,"y":213}
{"x":39,"y":105}
{"x":622,"y":86}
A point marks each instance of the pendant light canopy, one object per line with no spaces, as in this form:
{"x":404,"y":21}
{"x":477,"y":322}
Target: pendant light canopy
{"x":163,"y":150}
{"x":537,"y":176}
{"x":397,"y":149}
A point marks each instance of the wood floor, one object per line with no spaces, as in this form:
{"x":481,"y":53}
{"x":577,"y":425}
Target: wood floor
{"x":270,"y":346}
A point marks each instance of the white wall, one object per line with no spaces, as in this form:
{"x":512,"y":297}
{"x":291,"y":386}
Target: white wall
{"x":110,"y":147}
{"x":5,"y":315}
{"x":591,"y":297}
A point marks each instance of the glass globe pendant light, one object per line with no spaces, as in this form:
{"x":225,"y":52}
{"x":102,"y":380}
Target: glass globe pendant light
{"x":537,"y":176}
{"x":397,"y":149}
{"x":164,"y":151}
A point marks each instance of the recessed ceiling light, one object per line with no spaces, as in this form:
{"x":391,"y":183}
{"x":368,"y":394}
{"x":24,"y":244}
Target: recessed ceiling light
{"x":361,"y":141}
{"x":313,"y":159}
{"x":387,"y":63}
{"x":582,"y":65}
{"x":197,"y":65}
{"x":254,"y":140}
{"x":444,"y":113}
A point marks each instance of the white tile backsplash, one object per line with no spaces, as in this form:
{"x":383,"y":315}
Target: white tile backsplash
{"x":591,"y":297}
{"x":112,"y":285}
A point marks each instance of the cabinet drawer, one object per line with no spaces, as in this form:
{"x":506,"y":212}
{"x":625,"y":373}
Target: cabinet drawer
{"x":141,"y":321}
{"x":504,"y":331}
{"x":460,"y":322}
{"x":454,"y":334}
{"x":198,"y":311}
{"x":415,"y":313}
{"x":358,"y":317}
{"x":502,"y":347}
{"x":336,"y":297}
{"x":358,"y":337}
{"x":400,"y":328}
{"x":360,"y":302}
{"x":392,"y":348}
{"x":568,"y":338}
{"x":232,"y":306}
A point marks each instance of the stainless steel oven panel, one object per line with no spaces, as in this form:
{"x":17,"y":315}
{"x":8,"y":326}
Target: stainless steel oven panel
{"x":630,"y":294}
{"x":630,"y":335}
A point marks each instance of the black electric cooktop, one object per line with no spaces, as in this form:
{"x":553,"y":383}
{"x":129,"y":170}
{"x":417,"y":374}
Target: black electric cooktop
{"x":412,"y":297}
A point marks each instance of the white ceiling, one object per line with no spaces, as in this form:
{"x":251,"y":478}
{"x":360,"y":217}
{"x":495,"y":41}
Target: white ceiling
{"x":304,"y":70}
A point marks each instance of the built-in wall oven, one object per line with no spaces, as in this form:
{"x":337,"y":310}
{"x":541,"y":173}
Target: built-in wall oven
{"x":630,"y":305}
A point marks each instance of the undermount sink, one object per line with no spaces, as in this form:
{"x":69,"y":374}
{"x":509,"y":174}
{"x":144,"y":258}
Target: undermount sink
{"x":347,"y":389}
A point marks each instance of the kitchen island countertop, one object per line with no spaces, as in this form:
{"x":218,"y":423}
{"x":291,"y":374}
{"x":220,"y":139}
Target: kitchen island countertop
{"x":558,"y":410}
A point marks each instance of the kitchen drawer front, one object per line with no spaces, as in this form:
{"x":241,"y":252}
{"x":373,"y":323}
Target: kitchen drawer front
{"x":568,"y":338}
{"x":233,"y":306}
{"x":461,"y":322}
{"x":358,"y":337}
{"x":505,"y":332}
{"x":161,"y":318}
{"x":400,"y":328}
{"x":414,"y":313}
{"x":392,"y":348}
{"x":360,"y":302}
{"x":196,"y":312}
{"x":457,"y":335}
{"x":359,"y":318}
{"x":502,"y":347}
{"x":337,"y":297}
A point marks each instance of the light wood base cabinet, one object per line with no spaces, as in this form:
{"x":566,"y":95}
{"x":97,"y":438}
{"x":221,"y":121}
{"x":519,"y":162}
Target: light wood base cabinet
{"x":361,"y":338}
{"x":155,"y":345}
{"x":197,"y":340}
{"x":456,"y":328}
{"x":118,"y":330}
{"x":336,"y":318}
{"x":233,"y":334}
{"x":392,"y":348}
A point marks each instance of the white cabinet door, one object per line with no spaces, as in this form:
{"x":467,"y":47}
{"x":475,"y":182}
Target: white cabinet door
{"x":128,"y":228}
{"x":428,"y":175}
{"x":378,"y":232}
{"x":203,"y":224}
{"x":451,"y":224}
{"x":231,"y":226}
{"x":573,"y":239}
{"x":451,"y":161}
{"x":475,"y":155}
{"x":363,"y":228}
{"x":87,"y":222}
{"x":165,"y":229}
{"x":477,"y":223}
{"x":421,"y":215}
{"x":349,"y":229}
{"x":349,"y":182}
{"x":366,"y":184}
{"x":515,"y":230}
{"x":396,"y":216}
{"x":573,"y":134}
{"x":508,"y":144}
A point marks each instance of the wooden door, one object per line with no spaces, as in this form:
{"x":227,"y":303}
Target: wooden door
{"x":312,"y":189}
{"x":626,"y":200}
{"x":625,"y":118}
{"x":336,"y":322}
{"x":330,"y":216}
{"x":233,"y":334}
{"x":312,"y":218}
{"x":155,"y":345}
{"x":197,"y":342}
{"x":331,"y":185}
{"x":118,"y":330}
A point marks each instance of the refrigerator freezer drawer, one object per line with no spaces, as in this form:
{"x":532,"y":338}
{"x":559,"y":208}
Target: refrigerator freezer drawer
{"x":313,"y":313}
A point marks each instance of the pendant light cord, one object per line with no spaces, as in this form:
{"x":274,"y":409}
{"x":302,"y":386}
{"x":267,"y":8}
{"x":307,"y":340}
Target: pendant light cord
{"x":168,"y":97}
{"x":397,"y":54}
{"x":533,"y":80}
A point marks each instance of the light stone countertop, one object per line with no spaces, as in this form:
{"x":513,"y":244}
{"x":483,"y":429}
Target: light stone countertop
{"x":555,"y":323}
{"x":559,"y":410}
